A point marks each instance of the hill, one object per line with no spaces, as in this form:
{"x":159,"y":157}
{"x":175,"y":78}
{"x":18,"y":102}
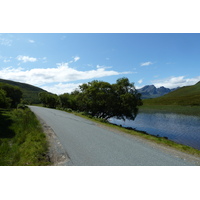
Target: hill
{"x":30,"y":92}
{"x":150,"y":91}
{"x":184,"y":96}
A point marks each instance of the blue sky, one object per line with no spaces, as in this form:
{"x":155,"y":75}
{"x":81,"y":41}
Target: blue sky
{"x":59,"y":62}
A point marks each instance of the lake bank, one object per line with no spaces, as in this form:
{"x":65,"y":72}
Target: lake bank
{"x":179,"y":128}
{"x":177,"y":109}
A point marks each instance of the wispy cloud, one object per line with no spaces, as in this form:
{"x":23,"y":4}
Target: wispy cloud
{"x":103,"y":67}
{"x":25,"y":59}
{"x":31,"y":41}
{"x":173,"y":82}
{"x":76,"y":58}
{"x":5,"y":41}
{"x":62,"y":73}
{"x":146,"y":64}
{"x":140,"y":81}
{"x":6,"y":60}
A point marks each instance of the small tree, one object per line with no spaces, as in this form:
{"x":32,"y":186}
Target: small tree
{"x":12,"y":92}
{"x":65,"y":100}
{"x":48,"y":99}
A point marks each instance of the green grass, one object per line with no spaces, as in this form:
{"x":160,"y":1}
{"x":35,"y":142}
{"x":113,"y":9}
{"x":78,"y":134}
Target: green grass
{"x":22,"y":142}
{"x":159,"y":140}
{"x":178,"y":109}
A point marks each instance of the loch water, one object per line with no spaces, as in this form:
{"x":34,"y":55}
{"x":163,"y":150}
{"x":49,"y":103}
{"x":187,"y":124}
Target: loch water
{"x":181,"y":129}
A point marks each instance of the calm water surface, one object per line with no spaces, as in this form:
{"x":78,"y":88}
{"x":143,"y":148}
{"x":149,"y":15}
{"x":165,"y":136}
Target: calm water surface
{"x":179,"y":128}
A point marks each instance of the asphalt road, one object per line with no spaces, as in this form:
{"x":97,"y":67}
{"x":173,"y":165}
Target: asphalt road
{"x":88,"y":144}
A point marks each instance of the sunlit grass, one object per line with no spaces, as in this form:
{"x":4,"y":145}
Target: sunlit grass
{"x":22,"y":142}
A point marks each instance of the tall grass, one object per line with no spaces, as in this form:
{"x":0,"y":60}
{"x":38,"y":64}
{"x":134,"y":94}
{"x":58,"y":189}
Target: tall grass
{"x":22,"y":142}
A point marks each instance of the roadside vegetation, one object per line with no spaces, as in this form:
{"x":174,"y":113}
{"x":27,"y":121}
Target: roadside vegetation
{"x":22,"y":141}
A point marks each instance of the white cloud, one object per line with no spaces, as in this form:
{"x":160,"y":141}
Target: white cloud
{"x":140,"y":81}
{"x":26,"y":59}
{"x":61,"y":73}
{"x":173,"y":82}
{"x":76,"y":58}
{"x":31,"y":41}
{"x":146,"y":63}
{"x":62,"y":88}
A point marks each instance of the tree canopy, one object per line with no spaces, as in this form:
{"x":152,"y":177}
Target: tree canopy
{"x":48,"y":99}
{"x":104,"y":100}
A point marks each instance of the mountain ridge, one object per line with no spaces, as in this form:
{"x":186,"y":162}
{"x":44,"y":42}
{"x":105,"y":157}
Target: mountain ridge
{"x":150,"y":91}
{"x":184,"y":96}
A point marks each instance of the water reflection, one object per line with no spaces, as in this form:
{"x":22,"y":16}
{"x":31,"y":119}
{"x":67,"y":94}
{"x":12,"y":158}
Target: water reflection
{"x":179,"y":128}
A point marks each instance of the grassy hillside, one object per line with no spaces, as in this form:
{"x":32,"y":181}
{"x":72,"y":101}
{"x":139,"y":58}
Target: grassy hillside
{"x":30,"y":92}
{"x":185,"y":96}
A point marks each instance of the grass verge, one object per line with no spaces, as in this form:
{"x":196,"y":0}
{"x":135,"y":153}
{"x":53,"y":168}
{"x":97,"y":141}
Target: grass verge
{"x":159,"y":140}
{"x":22,"y":142}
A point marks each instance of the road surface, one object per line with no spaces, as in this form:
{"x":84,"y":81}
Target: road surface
{"x":88,"y":144}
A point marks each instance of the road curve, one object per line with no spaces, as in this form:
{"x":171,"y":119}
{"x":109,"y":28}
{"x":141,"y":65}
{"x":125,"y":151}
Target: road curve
{"x":88,"y":144}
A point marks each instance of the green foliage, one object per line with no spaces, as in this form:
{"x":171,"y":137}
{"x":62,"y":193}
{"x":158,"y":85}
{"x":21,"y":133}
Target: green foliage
{"x":48,"y":99}
{"x":22,"y":141}
{"x":12,"y":92}
{"x":104,"y":100}
{"x":65,"y":100}
{"x":5,"y":102}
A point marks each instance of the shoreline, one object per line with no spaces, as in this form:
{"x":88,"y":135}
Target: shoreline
{"x":176,"y":109}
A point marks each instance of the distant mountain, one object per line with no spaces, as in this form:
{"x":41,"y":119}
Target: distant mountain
{"x":185,"y":96}
{"x":150,"y":91}
{"x":30,"y":92}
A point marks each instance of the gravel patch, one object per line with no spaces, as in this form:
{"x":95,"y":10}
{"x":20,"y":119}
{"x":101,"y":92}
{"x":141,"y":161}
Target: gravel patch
{"x":57,"y":155}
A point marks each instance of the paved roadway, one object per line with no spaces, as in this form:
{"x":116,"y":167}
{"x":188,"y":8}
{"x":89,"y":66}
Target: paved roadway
{"x":88,"y":144}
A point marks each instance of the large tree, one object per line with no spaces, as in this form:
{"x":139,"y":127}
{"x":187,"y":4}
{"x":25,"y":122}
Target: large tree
{"x":105,"y":100}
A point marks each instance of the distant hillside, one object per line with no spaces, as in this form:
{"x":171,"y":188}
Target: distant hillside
{"x":30,"y":92}
{"x":188,"y":95}
{"x":150,"y":91}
